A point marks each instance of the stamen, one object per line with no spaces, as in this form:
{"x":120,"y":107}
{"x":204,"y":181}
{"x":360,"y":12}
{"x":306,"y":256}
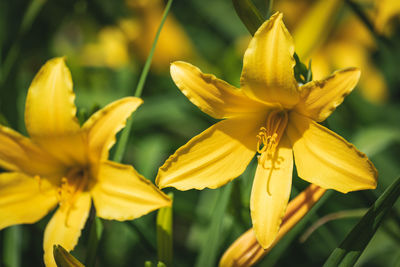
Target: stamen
{"x":268,"y":141}
{"x":269,"y":137}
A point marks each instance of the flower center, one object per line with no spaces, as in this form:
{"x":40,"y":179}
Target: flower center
{"x":72,"y":185}
{"x":269,"y":136}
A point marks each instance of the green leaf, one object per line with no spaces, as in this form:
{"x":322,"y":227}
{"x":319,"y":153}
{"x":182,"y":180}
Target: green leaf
{"x":164,"y":234}
{"x":64,"y":259}
{"x":375,"y":139}
{"x":249,"y":14}
{"x":209,"y":249}
{"x":354,"y":244}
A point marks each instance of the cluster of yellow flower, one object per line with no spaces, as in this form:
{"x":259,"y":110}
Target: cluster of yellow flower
{"x":271,"y":116}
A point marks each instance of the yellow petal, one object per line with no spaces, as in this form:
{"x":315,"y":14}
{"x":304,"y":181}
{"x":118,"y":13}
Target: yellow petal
{"x":50,"y":108}
{"x":326,"y":159}
{"x":270,"y":193}
{"x":212,"y":158}
{"x":268,"y":64}
{"x":213,"y":96}
{"x":122,"y":194}
{"x":24,"y":199}
{"x":65,"y":226}
{"x":50,"y":113}
{"x":315,"y":27}
{"x":18,"y":153}
{"x":320,"y":98}
{"x":105,"y":123}
{"x":246,"y":251}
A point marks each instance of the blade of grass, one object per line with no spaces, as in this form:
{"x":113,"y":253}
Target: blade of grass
{"x":123,"y":140}
{"x":210,"y":247}
{"x":344,"y":214}
{"x":30,"y":14}
{"x":355,"y":242}
{"x":12,"y":246}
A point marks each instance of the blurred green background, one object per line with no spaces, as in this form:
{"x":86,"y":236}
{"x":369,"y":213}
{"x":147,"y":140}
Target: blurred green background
{"x":106,"y":43}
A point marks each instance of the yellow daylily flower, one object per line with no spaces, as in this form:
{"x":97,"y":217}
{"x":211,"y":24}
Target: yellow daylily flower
{"x":66,"y":165}
{"x":273,"y":116}
{"x":246,"y":251}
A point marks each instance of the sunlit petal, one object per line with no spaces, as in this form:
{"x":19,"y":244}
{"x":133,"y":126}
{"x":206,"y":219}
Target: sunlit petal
{"x":270,"y":192}
{"x":24,"y":199}
{"x":18,"y":153}
{"x":65,"y":226}
{"x":320,"y":98}
{"x":268,"y":65}
{"x":105,"y":123}
{"x":123,"y":194}
{"x":50,"y":108}
{"x":213,"y":96}
{"x":212,"y":158}
{"x":50,"y":113}
{"x":326,"y":159}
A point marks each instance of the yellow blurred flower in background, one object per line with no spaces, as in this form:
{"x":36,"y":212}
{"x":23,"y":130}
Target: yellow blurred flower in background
{"x":134,"y":35}
{"x":110,"y":50}
{"x":67,"y":165}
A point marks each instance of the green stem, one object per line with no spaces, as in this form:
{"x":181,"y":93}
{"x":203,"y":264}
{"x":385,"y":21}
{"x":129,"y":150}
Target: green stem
{"x":249,"y":14}
{"x":123,"y":141}
{"x":12,"y":246}
{"x":164,"y":234}
{"x":96,"y":231}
